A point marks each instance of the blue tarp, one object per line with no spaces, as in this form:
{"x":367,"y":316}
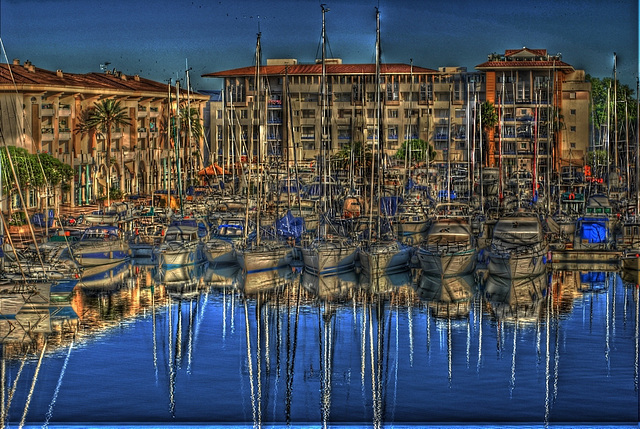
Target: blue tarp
{"x":38,"y":219}
{"x":413,"y":185}
{"x":290,"y":226}
{"x":389,"y":205}
{"x":442,"y":195}
{"x":593,"y":230}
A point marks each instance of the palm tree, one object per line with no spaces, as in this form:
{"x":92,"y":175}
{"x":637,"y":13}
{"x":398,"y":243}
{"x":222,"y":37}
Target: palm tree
{"x":191,"y":128}
{"x":103,"y":118}
{"x":489,"y":119}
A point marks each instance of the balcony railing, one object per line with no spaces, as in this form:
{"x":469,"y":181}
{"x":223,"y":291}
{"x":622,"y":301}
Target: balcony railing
{"x":64,"y":110}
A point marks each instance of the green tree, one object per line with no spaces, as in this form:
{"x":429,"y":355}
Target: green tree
{"x":489,"y":119}
{"x":25,"y":166}
{"x":599,"y":90}
{"x":104,"y":117}
{"x":31,"y":170}
{"x":190,"y":126}
{"x":419,"y":150}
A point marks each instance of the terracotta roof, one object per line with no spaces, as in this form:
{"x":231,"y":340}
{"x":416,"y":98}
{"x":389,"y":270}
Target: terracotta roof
{"x":316,"y":69}
{"x":536,"y":52}
{"x":34,"y":77}
{"x":561,"y":65}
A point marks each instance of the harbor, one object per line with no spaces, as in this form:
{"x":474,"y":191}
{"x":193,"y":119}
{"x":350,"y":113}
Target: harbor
{"x":268,"y":239}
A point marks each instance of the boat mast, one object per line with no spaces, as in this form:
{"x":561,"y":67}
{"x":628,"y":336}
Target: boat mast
{"x":177,"y":150}
{"x":637,"y":175}
{"x":323,"y":118}
{"x":376,"y":129}
{"x":449,"y":145}
{"x":187,"y":146}
{"x":615,"y":114}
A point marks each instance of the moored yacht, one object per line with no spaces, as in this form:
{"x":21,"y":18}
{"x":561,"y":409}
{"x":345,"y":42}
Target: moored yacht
{"x":518,"y":247}
{"x":99,"y":245}
{"x":449,"y":249}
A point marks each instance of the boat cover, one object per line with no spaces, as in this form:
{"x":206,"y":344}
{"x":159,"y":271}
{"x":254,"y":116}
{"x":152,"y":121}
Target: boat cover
{"x":594,"y":230}
{"x":290,"y":226}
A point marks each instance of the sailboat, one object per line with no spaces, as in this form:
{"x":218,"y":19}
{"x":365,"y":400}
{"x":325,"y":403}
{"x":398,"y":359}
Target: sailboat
{"x":263,"y":252}
{"x":386,"y":254}
{"x":327,"y":253}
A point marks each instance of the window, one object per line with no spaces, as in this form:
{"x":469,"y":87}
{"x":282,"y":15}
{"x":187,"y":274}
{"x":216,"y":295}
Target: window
{"x":573,"y":129}
{"x":219,"y":114}
{"x":409,"y":113}
{"x":573,"y":145}
{"x":573,"y":111}
{"x":393,"y":113}
{"x":243,"y":114}
{"x":392,"y":132}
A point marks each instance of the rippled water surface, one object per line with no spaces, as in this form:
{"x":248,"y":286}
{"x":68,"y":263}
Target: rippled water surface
{"x":205,"y":346}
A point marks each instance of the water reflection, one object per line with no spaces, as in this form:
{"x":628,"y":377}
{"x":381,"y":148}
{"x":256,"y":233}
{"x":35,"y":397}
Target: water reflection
{"x":283,"y":346}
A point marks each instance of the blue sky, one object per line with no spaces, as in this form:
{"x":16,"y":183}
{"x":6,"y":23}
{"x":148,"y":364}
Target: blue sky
{"x":156,"y":39}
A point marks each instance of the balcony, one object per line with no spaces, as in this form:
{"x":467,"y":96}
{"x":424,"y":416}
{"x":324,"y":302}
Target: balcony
{"x":46,"y":110}
{"x":441,"y":136}
{"x":47,"y":134}
{"x":307,"y":136}
{"x":64,"y":110}
{"x":64,"y":133}
{"x":142,"y":132}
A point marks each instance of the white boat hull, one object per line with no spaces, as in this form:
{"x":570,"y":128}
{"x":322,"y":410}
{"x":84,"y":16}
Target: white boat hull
{"x":329,"y":257}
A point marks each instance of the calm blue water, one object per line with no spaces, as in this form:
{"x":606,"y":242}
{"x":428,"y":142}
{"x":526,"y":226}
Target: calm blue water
{"x":149,"y":349}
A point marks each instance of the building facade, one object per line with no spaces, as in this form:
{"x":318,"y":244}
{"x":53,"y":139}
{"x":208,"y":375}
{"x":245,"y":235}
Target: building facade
{"x":543,"y":105}
{"x":41,"y":111}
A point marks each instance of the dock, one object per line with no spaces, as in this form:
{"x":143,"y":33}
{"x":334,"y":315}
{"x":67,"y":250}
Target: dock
{"x":591,"y":260}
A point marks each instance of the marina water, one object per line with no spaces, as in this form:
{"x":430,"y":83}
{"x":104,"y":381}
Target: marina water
{"x":206,"y":346}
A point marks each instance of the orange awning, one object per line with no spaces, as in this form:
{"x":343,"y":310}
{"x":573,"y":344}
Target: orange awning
{"x":212,"y":170}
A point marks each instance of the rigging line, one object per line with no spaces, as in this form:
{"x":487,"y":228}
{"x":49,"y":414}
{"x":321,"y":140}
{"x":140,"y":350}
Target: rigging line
{"x":27,"y":125}
{"x":6,"y":228}
{"x":15,"y":177}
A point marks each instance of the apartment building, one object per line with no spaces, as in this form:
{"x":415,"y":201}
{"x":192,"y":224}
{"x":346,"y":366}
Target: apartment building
{"x":41,"y":109}
{"x":543,"y":107}
{"x":293,"y":102}
{"x":528,"y":87}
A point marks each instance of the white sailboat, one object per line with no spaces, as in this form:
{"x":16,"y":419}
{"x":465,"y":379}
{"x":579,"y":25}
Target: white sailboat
{"x":380,"y":254}
{"x":327,"y":253}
